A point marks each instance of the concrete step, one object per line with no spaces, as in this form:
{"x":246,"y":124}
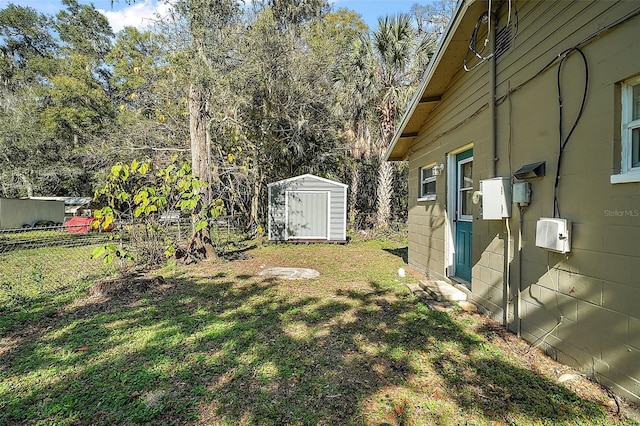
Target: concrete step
{"x":443,"y":291}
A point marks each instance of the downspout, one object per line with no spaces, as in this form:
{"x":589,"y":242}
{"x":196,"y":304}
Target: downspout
{"x":506,"y":278}
{"x":493,"y":134}
{"x":492,"y":95}
{"x":519,"y":296}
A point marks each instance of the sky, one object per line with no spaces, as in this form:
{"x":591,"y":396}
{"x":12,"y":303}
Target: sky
{"x":121,"y":14}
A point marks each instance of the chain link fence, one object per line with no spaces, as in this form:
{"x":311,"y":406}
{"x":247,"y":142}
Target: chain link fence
{"x":41,"y":262}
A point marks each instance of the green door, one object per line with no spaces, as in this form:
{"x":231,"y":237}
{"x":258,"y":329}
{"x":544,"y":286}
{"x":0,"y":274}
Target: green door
{"x":464,"y":218}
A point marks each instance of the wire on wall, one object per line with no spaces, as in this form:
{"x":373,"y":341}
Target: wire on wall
{"x":633,"y":14}
{"x":489,"y":13}
{"x":510,"y":135}
{"x":563,"y":141}
{"x":484,"y":19}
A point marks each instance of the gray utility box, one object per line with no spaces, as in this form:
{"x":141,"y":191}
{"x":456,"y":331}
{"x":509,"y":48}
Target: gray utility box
{"x":521,"y":193}
{"x":496,"y":198}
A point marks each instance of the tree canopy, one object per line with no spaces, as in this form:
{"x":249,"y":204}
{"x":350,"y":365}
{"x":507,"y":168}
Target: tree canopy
{"x":247,"y":94}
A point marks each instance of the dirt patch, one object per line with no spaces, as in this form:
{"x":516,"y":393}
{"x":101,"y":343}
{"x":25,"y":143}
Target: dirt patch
{"x":290,"y":273}
{"x":9,"y":343}
{"x":126,"y":285}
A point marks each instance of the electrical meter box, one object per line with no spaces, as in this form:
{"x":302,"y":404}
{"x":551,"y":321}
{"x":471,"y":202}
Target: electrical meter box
{"x":496,"y":198}
{"x":521,"y":193}
{"x":553,"y":234}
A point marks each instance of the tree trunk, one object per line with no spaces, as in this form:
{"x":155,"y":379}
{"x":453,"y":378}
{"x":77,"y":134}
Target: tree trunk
{"x":201,"y":246}
{"x":385,"y":187}
{"x":385,"y":170}
{"x":200,"y":143}
{"x":255,"y":201}
{"x":355,"y":183}
{"x":27,"y":185}
{"x":387,"y":123}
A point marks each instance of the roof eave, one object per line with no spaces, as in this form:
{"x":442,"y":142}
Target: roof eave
{"x":401,"y":142}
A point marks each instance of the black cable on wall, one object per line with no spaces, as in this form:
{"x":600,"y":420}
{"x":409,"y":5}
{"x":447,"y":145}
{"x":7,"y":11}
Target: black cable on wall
{"x":563,"y":141}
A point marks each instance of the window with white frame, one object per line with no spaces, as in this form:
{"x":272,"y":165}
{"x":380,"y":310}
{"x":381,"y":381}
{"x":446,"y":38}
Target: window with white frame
{"x":630,"y":132}
{"x":427,"y":190}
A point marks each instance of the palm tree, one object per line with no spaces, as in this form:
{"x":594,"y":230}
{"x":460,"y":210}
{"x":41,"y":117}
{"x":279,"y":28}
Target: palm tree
{"x":356,"y":92}
{"x":394,"y":46}
{"x":373,"y":83}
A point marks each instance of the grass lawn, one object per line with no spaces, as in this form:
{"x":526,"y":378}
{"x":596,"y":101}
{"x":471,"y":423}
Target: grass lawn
{"x":219,"y":344}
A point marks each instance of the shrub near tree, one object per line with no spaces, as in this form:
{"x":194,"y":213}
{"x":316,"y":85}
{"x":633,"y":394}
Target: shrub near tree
{"x":137,"y":196}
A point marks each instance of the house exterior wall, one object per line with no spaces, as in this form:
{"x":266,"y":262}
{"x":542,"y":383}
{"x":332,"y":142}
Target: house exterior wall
{"x":277,"y":205}
{"x":461,"y":120}
{"x":582,"y":308}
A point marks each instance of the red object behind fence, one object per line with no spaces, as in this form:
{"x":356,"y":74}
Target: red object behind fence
{"x":82,"y":225}
{"x":79,"y":225}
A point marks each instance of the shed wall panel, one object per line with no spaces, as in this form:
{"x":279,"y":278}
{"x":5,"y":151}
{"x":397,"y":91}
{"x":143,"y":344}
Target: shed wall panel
{"x":277,"y":205}
{"x":14,"y":213}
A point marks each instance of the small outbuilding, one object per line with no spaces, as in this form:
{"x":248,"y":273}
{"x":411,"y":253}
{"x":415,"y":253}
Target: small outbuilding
{"x":307,"y":208}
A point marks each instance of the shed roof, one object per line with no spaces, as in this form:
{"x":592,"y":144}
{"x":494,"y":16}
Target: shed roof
{"x":447,"y":60}
{"x":308,"y":175}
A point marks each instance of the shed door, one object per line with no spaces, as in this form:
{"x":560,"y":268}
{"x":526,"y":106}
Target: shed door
{"x":307,"y":215}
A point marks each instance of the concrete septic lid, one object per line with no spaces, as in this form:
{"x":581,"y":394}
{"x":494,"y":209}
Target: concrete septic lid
{"x":290,"y":273}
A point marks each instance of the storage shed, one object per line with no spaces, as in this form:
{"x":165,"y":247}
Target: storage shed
{"x":25,"y":213}
{"x":307,"y":208}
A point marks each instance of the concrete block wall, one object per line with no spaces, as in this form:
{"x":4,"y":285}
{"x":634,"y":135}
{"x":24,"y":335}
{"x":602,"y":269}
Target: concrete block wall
{"x":581,"y":308}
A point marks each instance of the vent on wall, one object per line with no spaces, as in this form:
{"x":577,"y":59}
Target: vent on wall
{"x":503,"y":40}
{"x":553,"y":234}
